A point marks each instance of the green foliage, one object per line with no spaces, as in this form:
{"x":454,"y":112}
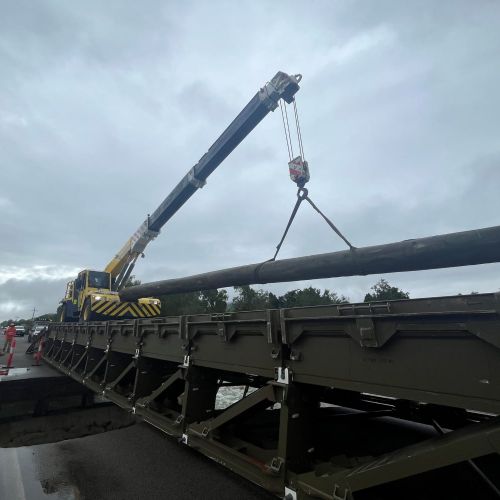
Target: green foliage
{"x":131,"y":281}
{"x":382,"y":290}
{"x":47,"y":317}
{"x":28,"y":322}
{"x":194,"y":303}
{"x":310,"y":297}
{"x":214,"y":301}
{"x":248,"y":298}
{"x":180,"y":303}
{"x":23,"y":322}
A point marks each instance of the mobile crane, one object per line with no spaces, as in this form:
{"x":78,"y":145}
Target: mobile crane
{"x":94,"y":295}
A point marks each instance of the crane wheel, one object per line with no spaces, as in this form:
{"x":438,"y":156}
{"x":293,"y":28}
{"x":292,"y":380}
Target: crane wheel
{"x":87,"y":314}
{"x":61,"y":314}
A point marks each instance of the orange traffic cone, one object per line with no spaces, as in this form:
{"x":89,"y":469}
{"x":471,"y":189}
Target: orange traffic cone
{"x":38,"y":354}
{"x":11,"y":353}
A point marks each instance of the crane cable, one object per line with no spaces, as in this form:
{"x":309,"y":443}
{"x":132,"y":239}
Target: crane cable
{"x":286,"y":128}
{"x":302,"y":192}
{"x":299,"y":134}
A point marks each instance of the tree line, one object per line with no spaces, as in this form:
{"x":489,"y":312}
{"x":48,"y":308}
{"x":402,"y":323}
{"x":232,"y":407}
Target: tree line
{"x":28,"y":323}
{"x":247,"y":298}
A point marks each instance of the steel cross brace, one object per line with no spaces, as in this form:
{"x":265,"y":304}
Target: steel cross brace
{"x":144,"y":401}
{"x":264,"y":393}
{"x":457,"y":446}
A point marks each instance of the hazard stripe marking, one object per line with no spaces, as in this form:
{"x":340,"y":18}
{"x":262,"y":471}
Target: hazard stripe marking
{"x":153,"y":309}
{"x":132,"y":310}
{"x":122,"y":306}
{"x":124,"y":311}
{"x":95,"y":305}
{"x":115,"y":308}
{"x":107,"y":307}
{"x":137,"y":310}
{"x":128,"y":309}
{"x":101,"y":307}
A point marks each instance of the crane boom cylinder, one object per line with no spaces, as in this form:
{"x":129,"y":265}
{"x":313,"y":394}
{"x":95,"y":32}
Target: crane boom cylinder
{"x":465,"y":248}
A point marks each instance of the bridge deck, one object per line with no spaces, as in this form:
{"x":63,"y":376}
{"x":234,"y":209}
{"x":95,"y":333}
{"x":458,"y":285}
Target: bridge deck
{"x":329,"y":393}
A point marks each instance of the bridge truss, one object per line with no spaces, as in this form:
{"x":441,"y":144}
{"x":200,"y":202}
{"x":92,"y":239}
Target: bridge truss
{"x":335,"y":402}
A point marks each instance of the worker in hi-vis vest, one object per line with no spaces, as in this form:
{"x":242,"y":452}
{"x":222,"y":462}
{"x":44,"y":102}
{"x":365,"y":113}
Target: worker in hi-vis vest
{"x":10,"y":333}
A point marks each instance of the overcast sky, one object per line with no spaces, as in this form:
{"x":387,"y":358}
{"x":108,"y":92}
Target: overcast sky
{"x":104,"y":106}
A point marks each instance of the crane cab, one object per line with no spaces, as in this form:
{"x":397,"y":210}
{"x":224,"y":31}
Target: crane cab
{"x":90,"y":297}
{"x":79,"y":293}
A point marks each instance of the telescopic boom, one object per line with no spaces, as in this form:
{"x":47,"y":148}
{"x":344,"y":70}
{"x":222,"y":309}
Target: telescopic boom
{"x":282,"y":86}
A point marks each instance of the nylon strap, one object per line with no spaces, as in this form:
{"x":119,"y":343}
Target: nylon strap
{"x":303,"y":194}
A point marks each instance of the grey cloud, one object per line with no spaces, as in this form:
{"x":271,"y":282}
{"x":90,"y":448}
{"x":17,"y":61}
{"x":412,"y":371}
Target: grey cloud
{"x":107,"y":35}
{"x":104,"y":106}
{"x":27,"y":295}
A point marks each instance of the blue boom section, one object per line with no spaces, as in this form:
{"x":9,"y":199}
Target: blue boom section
{"x":282,"y":86}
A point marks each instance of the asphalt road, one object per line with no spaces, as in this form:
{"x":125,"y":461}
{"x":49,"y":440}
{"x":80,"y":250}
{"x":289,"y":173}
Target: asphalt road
{"x":24,"y":365}
{"x":22,"y":360}
{"x":134,"y":463}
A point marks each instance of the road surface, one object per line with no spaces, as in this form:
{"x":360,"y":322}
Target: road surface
{"x":134,"y":463}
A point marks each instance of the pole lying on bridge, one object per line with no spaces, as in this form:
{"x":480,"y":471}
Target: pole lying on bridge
{"x":467,"y":248}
